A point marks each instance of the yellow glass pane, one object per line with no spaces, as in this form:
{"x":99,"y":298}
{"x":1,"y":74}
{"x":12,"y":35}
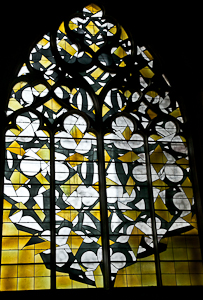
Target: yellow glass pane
{"x":92,"y":28}
{"x":8,"y":271}
{"x":134,"y":242}
{"x":134,"y":280}
{"x":113,"y":29}
{"x":167,"y":267}
{"x":98,"y":277}
{"x":76,"y":159}
{"x":74,"y":180}
{"x":121,"y":281}
{"x":25,"y":284}
{"x":43,"y":181}
{"x":43,"y":42}
{"x":71,"y":25}
{"x":74,"y":242}
{"x":26,"y":270}
{"x":196,"y":267}
{"x":122,"y":64}
{"x":158,"y":159}
{"x":39,"y":212}
{"x":97,"y":73}
{"x":182,"y":267}
{"x":146,"y":52}
{"x":8,"y":284}
{"x":63,"y":282}
{"x":26,"y":256}
{"x":9,"y":243}
{"x":44,"y":153}
{"x":155,"y":137}
{"x":124,"y":35}
{"x":179,"y":241}
{"x":40,"y":88}
{"x":16,"y":131}
{"x":19,"y":86}
{"x":9,"y":257}
{"x":159,"y":184}
{"x":183,"y":279}
{"x":99,"y":91}
{"x":41,"y":247}
{"x":6,"y":205}
{"x":53,"y":105}
{"x":168,"y":279}
{"x":129,"y":157}
{"x":9,"y":229}
{"x":71,"y":185}
{"x":23,"y":240}
{"x":147,"y":72}
{"x":183,"y":162}
{"x":42,"y":283}
{"x":149,"y":280}
{"x":62,"y":28}
{"x":120,"y":52}
{"x":68,"y":214}
{"x":96,"y":214}
{"x":76,"y":134}
{"x":127,"y":133}
{"x":148,"y":268}
{"x":158,"y":156}
{"x":127,"y":94}
{"x":167,"y":255}
{"x":94,"y":47}
{"x":20,"y":205}
{"x":187,"y":188}
{"x":196,"y":279}
{"x":152,"y":94}
{"x":130,"y":185}
{"x":41,"y":270}
{"x":99,"y":281}
{"x":163,"y":213}
{"x":14,"y":104}
{"x":45,"y":62}
{"x":78,"y":285}
{"x":151,"y":114}
{"x":194,"y":253}
{"x":176,"y":113}
{"x":93,"y":8}
{"x":67,"y":47}
{"x":18,"y":179}
{"x":110,"y":182}
{"x":107,"y":158}
{"x":180,"y":253}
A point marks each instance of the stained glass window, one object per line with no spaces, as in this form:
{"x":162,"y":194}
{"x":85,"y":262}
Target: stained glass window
{"x":97,"y":181}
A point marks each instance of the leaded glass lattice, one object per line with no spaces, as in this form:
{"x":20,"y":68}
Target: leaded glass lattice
{"x":97,"y":183}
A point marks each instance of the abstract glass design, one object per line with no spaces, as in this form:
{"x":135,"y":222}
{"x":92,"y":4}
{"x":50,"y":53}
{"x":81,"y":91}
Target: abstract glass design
{"x":78,"y":230}
{"x":26,"y":219}
{"x":86,"y":152}
{"x":130,"y":229}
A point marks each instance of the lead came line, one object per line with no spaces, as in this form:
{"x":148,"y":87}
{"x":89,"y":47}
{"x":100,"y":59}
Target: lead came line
{"x":103,"y":212}
{"x":153,"y":222}
{"x":52,"y":212}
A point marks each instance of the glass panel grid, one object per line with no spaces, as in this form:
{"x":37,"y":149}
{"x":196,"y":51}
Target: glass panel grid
{"x":78,"y":232}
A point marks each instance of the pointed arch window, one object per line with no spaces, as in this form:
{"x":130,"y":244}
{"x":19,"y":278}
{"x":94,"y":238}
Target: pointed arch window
{"x":97,"y":182}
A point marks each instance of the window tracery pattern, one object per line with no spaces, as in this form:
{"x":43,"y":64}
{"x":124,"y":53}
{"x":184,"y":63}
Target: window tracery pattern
{"x":54,"y":186}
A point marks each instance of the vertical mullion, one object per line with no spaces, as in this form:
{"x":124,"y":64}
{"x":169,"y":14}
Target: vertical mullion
{"x":52,"y":213}
{"x":103,"y":211}
{"x":152,"y":212}
{"x":2,"y":165}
